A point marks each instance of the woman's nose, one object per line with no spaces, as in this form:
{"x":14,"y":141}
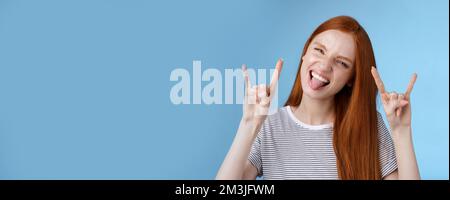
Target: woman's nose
{"x":326,"y":65}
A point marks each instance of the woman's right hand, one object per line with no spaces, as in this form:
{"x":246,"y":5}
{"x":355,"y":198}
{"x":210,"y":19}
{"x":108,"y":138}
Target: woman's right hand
{"x":258,"y":97}
{"x":256,"y":107}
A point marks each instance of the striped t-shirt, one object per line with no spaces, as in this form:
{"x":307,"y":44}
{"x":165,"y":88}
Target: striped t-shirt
{"x":287,"y":148}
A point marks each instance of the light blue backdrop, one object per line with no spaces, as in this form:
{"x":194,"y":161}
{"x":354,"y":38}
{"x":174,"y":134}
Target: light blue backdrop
{"x":84,"y":85}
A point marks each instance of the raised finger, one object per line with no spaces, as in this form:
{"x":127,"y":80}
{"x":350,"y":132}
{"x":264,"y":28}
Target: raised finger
{"x":246,"y":78}
{"x":276,"y":76}
{"x":378,"y":80}
{"x":411,"y":85}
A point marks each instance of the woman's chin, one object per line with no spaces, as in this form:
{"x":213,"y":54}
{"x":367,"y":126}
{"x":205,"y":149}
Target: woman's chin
{"x":317,"y":94}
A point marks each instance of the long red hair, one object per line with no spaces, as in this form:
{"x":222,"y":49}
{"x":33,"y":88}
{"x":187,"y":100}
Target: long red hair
{"x":355,"y":133}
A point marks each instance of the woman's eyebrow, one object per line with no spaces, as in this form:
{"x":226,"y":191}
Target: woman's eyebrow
{"x":325,"y":48}
{"x":321,"y":45}
{"x":345,"y":58}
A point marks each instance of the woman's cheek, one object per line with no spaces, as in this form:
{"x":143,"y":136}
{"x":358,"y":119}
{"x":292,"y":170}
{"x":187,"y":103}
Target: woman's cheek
{"x":311,"y":58}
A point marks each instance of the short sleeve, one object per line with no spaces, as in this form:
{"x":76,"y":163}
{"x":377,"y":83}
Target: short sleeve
{"x":388,"y":160}
{"x":255,"y":153}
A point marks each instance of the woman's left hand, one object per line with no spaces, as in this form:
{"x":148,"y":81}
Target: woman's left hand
{"x":396,"y":106}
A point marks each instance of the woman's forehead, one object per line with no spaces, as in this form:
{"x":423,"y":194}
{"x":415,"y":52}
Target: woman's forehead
{"x":336,"y":41}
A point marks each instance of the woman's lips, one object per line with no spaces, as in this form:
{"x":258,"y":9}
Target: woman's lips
{"x":317,"y":81}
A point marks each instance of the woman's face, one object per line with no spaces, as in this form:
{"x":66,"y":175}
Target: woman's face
{"x":328,"y":64}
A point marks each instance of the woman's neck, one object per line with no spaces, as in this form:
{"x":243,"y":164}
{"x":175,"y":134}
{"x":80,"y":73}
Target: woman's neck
{"x":315,"y":112}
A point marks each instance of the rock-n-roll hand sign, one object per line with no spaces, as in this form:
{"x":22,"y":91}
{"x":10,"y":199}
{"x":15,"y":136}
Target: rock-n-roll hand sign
{"x":258,"y":97}
{"x":396,"y":106}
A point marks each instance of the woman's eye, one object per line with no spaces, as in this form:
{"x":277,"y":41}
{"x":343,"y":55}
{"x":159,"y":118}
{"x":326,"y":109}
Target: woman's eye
{"x":319,"y":50}
{"x":343,"y":64}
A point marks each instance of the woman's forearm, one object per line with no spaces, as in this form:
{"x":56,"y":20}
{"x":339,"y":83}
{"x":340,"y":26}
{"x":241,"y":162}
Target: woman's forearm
{"x":406,"y":158}
{"x":234,"y":163}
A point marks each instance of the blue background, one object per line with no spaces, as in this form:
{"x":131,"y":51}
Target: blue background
{"x":84,"y":85}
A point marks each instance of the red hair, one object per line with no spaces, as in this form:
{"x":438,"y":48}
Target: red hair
{"x":355,"y":132}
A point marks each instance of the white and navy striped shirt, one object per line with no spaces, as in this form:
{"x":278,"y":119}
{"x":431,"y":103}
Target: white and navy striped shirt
{"x":287,"y":148}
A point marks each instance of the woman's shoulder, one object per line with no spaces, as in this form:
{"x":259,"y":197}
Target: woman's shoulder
{"x":278,"y":115}
{"x":279,"y":119}
{"x":380,"y":123}
{"x":274,"y":122}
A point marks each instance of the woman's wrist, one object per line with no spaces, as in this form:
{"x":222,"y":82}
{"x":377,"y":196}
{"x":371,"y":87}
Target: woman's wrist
{"x":249,"y":126}
{"x":401,"y":133}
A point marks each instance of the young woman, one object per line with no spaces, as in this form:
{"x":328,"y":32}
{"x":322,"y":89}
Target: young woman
{"x":329,"y":127}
